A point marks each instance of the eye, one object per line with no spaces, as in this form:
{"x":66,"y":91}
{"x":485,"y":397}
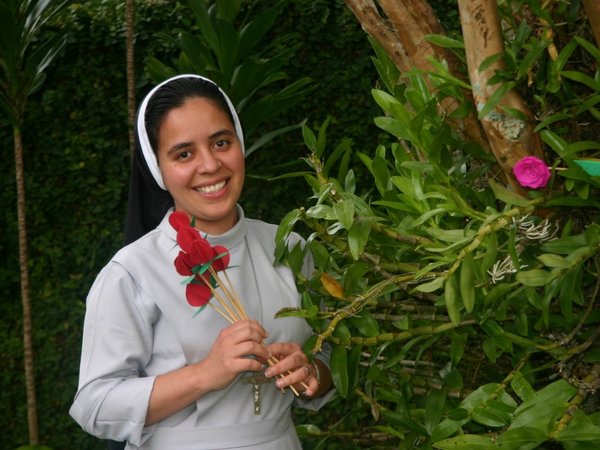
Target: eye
{"x":183,"y":155}
{"x":221,"y":144}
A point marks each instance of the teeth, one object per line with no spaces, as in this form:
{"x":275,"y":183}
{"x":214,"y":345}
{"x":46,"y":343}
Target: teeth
{"x":213,"y":188}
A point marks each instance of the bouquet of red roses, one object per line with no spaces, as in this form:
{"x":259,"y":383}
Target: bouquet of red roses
{"x":202,"y":263}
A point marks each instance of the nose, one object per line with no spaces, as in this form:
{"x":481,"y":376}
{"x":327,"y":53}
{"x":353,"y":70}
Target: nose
{"x":208,"y":162}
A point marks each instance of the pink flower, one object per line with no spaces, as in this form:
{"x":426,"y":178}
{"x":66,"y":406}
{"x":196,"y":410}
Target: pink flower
{"x":531,"y":172}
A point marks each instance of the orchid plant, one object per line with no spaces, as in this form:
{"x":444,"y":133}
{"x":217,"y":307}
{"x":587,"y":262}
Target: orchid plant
{"x":462,"y":314}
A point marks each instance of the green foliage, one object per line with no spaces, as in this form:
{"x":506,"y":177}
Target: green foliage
{"x":23,"y":65}
{"x":77,"y":161}
{"x":77,"y":166}
{"x":235,"y":54}
{"x":472,"y":309}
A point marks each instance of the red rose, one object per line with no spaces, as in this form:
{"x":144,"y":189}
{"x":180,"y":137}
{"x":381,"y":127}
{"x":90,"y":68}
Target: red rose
{"x":221,"y":258}
{"x":197,"y":294}
{"x":186,"y":236}
{"x":179,"y":219}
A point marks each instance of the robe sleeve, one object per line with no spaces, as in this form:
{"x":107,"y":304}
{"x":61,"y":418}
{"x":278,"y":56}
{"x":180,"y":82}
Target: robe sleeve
{"x":114,"y":392}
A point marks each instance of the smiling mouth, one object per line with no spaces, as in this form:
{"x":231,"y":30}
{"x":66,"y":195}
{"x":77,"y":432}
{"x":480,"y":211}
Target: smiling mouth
{"x":212,"y":188}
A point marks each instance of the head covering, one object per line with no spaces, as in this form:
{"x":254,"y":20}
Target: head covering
{"x":149,"y":199}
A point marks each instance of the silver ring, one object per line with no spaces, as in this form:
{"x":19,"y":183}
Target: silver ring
{"x":307,"y":370}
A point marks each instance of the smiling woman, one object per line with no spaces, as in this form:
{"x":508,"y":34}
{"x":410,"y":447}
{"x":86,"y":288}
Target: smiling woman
{"x":159,"y":372}
{"x":202,"y":164}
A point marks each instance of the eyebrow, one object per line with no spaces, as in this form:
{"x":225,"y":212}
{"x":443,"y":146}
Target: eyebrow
{"x":182,"y":145}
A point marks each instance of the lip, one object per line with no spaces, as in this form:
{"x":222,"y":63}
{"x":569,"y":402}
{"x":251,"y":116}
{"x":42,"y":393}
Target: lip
{"x":221,"y":185}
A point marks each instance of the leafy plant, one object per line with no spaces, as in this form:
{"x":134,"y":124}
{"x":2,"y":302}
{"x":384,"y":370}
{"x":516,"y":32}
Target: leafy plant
{"x":22,"y":72}
{"x":234,"y":53}
{"x":463,"y":314}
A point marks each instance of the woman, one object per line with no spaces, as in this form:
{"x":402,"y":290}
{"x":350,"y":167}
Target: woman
{"x":154,"y":373}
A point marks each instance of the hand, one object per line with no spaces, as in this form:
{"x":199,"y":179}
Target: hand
{"x":232,"y":352}
{"x":293,"y":368}
{"x":230,"y":355}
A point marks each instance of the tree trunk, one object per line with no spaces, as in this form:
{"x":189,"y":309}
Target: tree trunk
{"x":402,"y":33}
{"x":25,"y":293}
{"x":129,"y":44}
{"x":592,"y":10}
{"x":510,"y":138}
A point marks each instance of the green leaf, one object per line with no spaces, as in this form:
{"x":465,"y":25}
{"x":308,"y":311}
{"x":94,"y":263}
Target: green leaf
{"x":580,"y":146}
{"x":339,"y":370}
{"x":307,"y":429}
{"x":523,"y":438}
{"x":508,"y":196}
{"x":344,"y":212}
{"x":309,"y":138}
{"x":479,"y":396}
{"x":457,"y":347}
{"x":451,"y":299}
{"x":403,"y":420}
{"x":565,"y":245}
{"x":431,"y":286}
{"x":582,"y":78}
{"x":448,"y":427}
{"x":270,"y":136}
{"x":489,"y":348}
{"x":545,"y":407}
{"x":554,"y":141}
{"x":466,"y":442}
{"x":486,"y":110}
{"x":358,"y":237}
{"x":591,"y":48}
{"x":365,"y":323}
{"x":381,"y":174}
{"x":493,"y":414}
{"x":554,"y":261}
{"x":287,"y":224}
{"x":434,"y":408}
{"x":394,"y":127}
{"x":321,"y":212}
{"x":444,"y":41}
{"x":521,"y":387}
{"x":535,"y":277}
{"x":532,"y":55}
{"x":467,"y":288}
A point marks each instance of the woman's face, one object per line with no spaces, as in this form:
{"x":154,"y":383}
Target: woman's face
{"x":202,"y":163}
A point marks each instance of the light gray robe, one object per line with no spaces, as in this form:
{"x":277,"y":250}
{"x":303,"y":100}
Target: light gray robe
{"x":138,"y":325}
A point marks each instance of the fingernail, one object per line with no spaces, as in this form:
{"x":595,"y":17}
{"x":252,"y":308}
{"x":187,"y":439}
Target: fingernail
{"x":268,"y":373}
{"x":278,"y":383}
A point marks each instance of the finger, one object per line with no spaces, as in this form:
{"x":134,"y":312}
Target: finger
{"x":286,"y":365}
{"x":240,"y":332}
{"x":296,"y":378}
{"x":313,"y":386}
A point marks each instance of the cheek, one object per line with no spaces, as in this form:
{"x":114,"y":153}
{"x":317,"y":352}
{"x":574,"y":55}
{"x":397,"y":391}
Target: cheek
{"x":238,"y":165}
{"x":174,"y":174}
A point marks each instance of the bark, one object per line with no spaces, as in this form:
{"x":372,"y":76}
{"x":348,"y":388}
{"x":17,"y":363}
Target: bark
{"x":402,"y":33}
{"x":32,"y":419}
{"x":592,"y":10}
{"x":510,"y":138}
{"x":129,"y":45}
{"x":372,"y":23}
